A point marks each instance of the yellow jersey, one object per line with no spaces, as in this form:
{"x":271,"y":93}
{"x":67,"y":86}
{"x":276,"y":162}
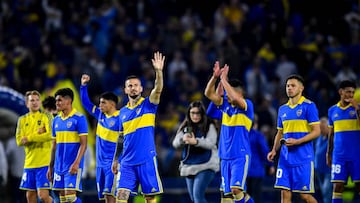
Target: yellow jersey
{"x":37,"y":128}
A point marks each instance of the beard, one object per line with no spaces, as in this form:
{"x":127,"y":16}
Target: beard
{"x":292,"y":96}
{"x":134,"y":96}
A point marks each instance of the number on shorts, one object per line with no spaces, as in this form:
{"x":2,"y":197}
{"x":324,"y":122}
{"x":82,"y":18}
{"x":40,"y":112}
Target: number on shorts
{"x":335,"y":168}
{"x":279,"y":173}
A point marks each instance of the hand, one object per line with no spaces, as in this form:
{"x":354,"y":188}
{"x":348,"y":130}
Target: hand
{"x":271,"y":155}
{"x":41,"y":130}
{"x":49,"y":174}
{"x":24,"y":141}
{"x":353,"y":102}
{"x":85,"y":78}
{"x":158,"y":61}
{"x":114,"y":167}
{"x":291,"y":142}
{"x":272,"y":170}
{"x":224,"y":72}
{"x":74,"y":168}
{"x":189,"y":138}
{"x":216,"y":70}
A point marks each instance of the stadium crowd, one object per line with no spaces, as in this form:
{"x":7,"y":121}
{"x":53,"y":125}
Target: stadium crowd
{"x":47,"y":43}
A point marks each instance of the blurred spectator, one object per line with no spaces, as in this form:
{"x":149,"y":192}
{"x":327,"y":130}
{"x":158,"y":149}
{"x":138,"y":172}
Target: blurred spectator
{"x":259,"y":166}
{"x":322,"y":170}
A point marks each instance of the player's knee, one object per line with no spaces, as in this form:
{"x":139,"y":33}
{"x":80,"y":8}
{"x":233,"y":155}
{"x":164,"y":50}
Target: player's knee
{"x":150,"y":198}
{"x":71,"y":198}
{"x":286,"y":194}
{"x":43,"y":195}
{"x":306,"y":197}
{"x":238,"y":194}
{"x":123,"y":195}
{"x":30,"y":195}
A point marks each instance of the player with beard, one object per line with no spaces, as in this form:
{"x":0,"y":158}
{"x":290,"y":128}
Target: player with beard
{"x":343,"y":146}
{"x":136,"y":126}
{"x":237,"y":115}
{"x":298,"y":123}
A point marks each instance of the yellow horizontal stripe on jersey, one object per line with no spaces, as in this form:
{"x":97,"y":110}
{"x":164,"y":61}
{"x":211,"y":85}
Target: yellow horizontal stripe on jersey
{"x":146,"y":120}
{"x":67,"y":136}
{"x":346,"y":125}
{"x":237,"y":120}
{"x":107,"y":134}
{"x":296,"y":126}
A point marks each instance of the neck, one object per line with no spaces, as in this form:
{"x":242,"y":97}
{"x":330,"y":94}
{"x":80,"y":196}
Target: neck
{"x":295,"y":100}
{"x":343,"y":103}
{"x":132,"y":101}
{"x":66,"y":112}
{"x":111,"y":112}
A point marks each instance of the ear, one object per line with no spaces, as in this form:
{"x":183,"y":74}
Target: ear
{"x":340,"y":91}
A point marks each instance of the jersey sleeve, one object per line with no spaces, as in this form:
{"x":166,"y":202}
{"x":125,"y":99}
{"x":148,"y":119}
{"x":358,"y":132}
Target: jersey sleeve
{"x":88,"y":105}
{"x":82,"y":126}
{"x":313,"y":114}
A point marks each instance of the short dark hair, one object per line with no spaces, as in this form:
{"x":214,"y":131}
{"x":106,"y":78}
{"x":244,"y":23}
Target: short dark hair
{"x":346,"y":83}
{"x":49,"y":103}
{"x":65,"y":92}
{"x":132,"y":77}
{"x":296,"y":77}
{"x":236,"y":83}
{"x":110,"y":96}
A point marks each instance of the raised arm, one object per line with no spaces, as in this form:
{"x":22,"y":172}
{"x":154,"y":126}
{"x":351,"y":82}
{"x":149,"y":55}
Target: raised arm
{"x":234,"y":95}
{"x":84,"y":97}
{"x":158,"y":63}
{"x":210,"y":91}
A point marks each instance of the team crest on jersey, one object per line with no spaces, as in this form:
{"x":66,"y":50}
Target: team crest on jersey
{"x":299,"y":112}
{"x":68,"y":124}
{"x":138,"y":111}
{"x":352,"y":113}
{"x":112,"y":123}
{"x":39,"y":122}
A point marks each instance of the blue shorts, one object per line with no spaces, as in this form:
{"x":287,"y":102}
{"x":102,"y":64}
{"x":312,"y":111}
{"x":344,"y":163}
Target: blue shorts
{"x":296,"y":178}
{"x":234,"y":173}
{"x":105,"y":182}
{"x":145,"y":174}
{"x":34,"y":179}
{"x":68,"y":181}
{"x":341,"y":170}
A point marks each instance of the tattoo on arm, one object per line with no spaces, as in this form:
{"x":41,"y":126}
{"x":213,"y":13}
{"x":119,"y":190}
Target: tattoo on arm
{"x":119,"y":146}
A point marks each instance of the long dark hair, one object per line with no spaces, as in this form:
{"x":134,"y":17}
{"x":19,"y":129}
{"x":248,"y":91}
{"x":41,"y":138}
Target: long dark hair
{"x":203,"y":124}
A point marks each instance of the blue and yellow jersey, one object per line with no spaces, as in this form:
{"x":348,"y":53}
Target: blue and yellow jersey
{"x":67,"y":132}
{"x":107,"y":131}
{"x":38,"y":149}
{"x":346,"y":131}
{"x":137,"y":123}
{"x":295,"y":121}
{"x":234,"y":134}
